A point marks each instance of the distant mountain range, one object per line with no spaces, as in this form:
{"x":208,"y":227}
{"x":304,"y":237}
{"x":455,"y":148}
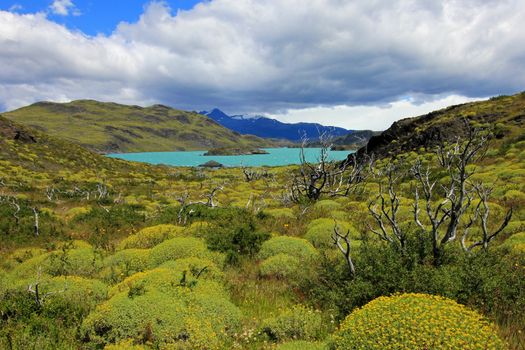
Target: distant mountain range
{"x":271,"y":128}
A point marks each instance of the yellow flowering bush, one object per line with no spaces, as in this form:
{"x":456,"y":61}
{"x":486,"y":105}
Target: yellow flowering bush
{"x":280,"y":266}
{"x":297,"y":247}
{"x":298,"y":322}
{"x":163,"y":307}
{"x":302,"y":345}
{"x":285,"y":213}
{"x":326,"y":205}
{"x":77,"y":261}
{"x":150,"y":236}
{"x":515,"y":243}
{"x":177,"y":248}
{"x":416,"y":321}
{"x":320,"y":232}
{"x":125,"y":263}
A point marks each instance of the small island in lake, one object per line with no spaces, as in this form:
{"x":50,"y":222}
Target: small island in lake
{"x":224,"y":151}
{"x":211,"y":164}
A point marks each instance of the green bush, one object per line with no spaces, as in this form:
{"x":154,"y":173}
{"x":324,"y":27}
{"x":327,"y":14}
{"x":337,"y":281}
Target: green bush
{"x":297,"y":247}
{"x":167,"y":277}
{"x":65,"y":261}
{"x":285,"y":213}
{"x":298,"y":322}
{"x":320,"y":232}
{"x":178,"y":248}
{"x":327,"y":205}
{"x":124,"y":263}
{"x":302,"y":345}
{"x":150,"y":236}
{"x":515,"y":243}
{"x":280,"y":266}
{"x":237,"y":238}
{"x":416,"y":321}
{"x":182,"y":317}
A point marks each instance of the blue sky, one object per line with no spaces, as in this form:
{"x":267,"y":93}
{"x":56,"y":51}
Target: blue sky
{"x":92,"y":16}
{"x":358,"y":64}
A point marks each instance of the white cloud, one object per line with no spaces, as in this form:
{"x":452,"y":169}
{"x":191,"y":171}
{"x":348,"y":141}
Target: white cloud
{"x":248,"y":56}
{"x":64,"y":8}
{"x":368,"y":117}
{"x":15,"y":8}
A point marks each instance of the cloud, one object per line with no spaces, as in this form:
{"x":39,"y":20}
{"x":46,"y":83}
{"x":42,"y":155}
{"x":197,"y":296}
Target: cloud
{"x":15,"y":8}
{"x":369,"y":117}
{"x":273,"y":57}
{"x":64,"y":8}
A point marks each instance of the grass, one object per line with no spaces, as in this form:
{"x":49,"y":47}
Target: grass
{"x":110,"y":127}
{"x":140,"y":196}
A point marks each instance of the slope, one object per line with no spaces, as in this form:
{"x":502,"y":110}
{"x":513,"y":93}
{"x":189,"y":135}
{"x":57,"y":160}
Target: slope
{"x":505,"y":114}
{"x":110,"y":127}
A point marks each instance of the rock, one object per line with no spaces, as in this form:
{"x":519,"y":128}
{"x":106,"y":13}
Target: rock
{"x":211,"y":164}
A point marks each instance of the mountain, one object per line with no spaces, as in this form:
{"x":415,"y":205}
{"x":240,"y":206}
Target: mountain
{"x":27,"y":154}
{"x":112,"y":128}
{"x":506,"y":114}
{"x":271,"y":128}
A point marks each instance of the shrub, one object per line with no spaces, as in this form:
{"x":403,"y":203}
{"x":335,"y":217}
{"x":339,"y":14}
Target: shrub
{"x":416,"y":321}
{"x":166,"y":278}
{"x":302,"y":345}
{"x":297,"y":247}
{"x":320,"y":232}
{"x":285,"y":213}
{"x":327,"y":205}
{"x":125,"y":263}
{"x":183,"y":317}
{"x":177,"y":248}
{"x":204,"y":268}
{"x":280,"y":266}
{"x":20,"y":255}
{"x":237,"y":238}
{"x":515,"y":243}
{"x":125,"y":345}
{"x":150,"y":236}
{"x":298,"y":322}
{"x":66,"y":261}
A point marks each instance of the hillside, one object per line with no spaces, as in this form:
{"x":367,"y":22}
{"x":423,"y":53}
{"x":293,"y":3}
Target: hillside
{"x":25,"y":150}
{"x":271,"y":128}
{"x":114,"y":128}
{"x":350,"y":141}
{"x":506,"y":114}
{"x":129,"y":255}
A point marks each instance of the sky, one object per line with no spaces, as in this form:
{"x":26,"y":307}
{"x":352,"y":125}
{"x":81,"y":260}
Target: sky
{"x":359,"y":64}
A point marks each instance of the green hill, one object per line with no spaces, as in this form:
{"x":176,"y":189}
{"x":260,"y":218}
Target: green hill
{"x":112,"y":128}
{"x":506,"y":114}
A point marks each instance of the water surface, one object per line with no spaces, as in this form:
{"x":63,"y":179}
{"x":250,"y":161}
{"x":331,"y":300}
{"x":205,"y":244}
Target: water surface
{"x":276,"y":157}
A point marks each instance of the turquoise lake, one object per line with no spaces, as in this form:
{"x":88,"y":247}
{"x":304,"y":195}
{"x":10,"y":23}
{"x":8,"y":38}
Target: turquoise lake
{"x":276,"y":157}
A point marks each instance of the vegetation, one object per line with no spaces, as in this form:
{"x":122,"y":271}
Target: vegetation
{"x":415,"y":321}
{"x":102,"y":253}
{"x":115,"y":128}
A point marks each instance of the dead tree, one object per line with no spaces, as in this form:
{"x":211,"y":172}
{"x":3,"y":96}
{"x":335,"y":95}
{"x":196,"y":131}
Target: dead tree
{"x":183,"y":201}
{"x":384,"y":209}
{"x":102,"y":190}
{"x":50,"y":193}
{"x":324,"y":177}
{"x":210,"y":196}
{"x":345,"y":249}
{"x":446,"y":203}
{"x":36,"y":225}
{"x":39,"y":296}
{"x":12,"y":201}
{"x":482,"y":213}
